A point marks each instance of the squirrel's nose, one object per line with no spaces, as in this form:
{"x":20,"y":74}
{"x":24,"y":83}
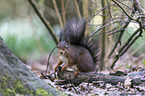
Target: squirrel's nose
{"x":61,"y":53}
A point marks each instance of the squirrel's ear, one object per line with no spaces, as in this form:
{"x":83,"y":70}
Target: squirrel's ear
{"x":67,"y":36}
{"x":61,"y":35}
{"x":68,"y":41}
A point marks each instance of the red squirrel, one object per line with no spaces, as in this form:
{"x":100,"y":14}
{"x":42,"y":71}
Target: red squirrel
{"x":74,"y":48}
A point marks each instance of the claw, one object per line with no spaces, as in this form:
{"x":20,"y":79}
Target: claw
{"x":77,"y":73}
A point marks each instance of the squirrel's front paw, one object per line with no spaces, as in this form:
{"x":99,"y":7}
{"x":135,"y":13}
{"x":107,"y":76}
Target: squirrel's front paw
{"x":77,"y":73}
{"x":55,"y":69}
{"x":63,"y":69}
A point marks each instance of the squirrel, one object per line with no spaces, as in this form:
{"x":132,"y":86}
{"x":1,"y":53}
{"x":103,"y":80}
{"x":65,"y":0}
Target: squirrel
{"x":75,"y":48}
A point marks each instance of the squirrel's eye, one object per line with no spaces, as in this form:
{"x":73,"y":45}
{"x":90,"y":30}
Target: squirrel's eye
{"x":66,"y":47}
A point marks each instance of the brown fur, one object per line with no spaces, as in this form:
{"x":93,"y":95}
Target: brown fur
{"x":75,"y":49}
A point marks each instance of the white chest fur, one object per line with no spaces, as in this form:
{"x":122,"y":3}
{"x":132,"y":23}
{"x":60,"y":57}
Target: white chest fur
{"x":63,"y":58}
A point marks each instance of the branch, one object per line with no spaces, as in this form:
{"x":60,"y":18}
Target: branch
{"x":121,"y":34}
{"x":140,"y":10}
{"x":115,"y":31}
{"x":45,"y":22}
{"x":63,"y":12}
{"x":92,"y":16}
{"x":123,"y":10}
{"x":68,"y":77}
{"x":127,"y":7}
{"x":57,"y":13}
{"x":77,"y":9}
{"x":122,"y":31}
{"x":131,"y":42}
{"x":126,"y":46}
{"x":135,"y":35}
{"x":107,"y":25}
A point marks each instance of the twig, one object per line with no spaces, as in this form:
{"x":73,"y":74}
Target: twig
{"x":126,"y":46}
{"x":131,"y":38}
{"x":120,"y":35}
{"x":127,"y":6}
{"x":103,"y":37}
{"x":123,"y":10}
{"x":109,"y":9}
{"x":137,"y":6}
{"x":107,"y":25}
{"x":57,"y":13}
{"x":85,"y":8}
{"x":113,"y":32}
{"x":128,"y":41}
{"x":67,"y":4}
{"x":103,"y":26}
{"x":49,"y":59}
{"x":77,"y":9}
{"x":93,"y":15}
{"x":45,"y":22}
{"x":135,"y":35}
{"x":63,"y":11}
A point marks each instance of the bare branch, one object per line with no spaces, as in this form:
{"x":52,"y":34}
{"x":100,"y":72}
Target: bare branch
{"x":77,"y":9}
{"x":123,"y":10}
{"x":92,"y":16}
{"x":45,"y":22}
{"x":57,"y":13}
{"x":107,"y":25}
{"x":126,"y":46}
{"x":120,"y":35}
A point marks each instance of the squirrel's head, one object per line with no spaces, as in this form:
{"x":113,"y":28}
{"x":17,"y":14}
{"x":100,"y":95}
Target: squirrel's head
{"x":63,"y":47}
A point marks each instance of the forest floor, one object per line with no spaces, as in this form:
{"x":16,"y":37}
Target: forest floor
{"x":125,"y":65}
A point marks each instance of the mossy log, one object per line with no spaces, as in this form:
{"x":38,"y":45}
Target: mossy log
{"x":68,"y":77}
{"x":16,"y":78}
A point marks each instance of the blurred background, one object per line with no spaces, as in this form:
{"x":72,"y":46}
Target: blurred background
{"x":28,"y":38}
{"x":24,"y":33}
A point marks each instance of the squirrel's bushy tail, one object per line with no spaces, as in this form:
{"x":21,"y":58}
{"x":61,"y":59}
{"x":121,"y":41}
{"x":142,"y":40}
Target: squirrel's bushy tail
{"x":74,"y":33}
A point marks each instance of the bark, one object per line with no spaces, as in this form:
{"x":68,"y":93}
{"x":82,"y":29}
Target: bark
{"x":68,"y":77}
{"x":16,"y":78}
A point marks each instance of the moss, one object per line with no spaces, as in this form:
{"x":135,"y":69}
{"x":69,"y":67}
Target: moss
{"x":42,"y":92}
{"x":9,"y":87}
{"x":9,"y":91}
{"x":19,"y":88}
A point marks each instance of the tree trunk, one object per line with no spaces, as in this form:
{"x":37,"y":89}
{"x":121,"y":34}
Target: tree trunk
{"x":16,"y":78}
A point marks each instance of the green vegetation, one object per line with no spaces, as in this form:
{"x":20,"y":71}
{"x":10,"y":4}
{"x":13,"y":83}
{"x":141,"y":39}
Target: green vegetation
{"x":137,"y":48}
{"x":144,"y":62}
{"x":29,"y":39}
